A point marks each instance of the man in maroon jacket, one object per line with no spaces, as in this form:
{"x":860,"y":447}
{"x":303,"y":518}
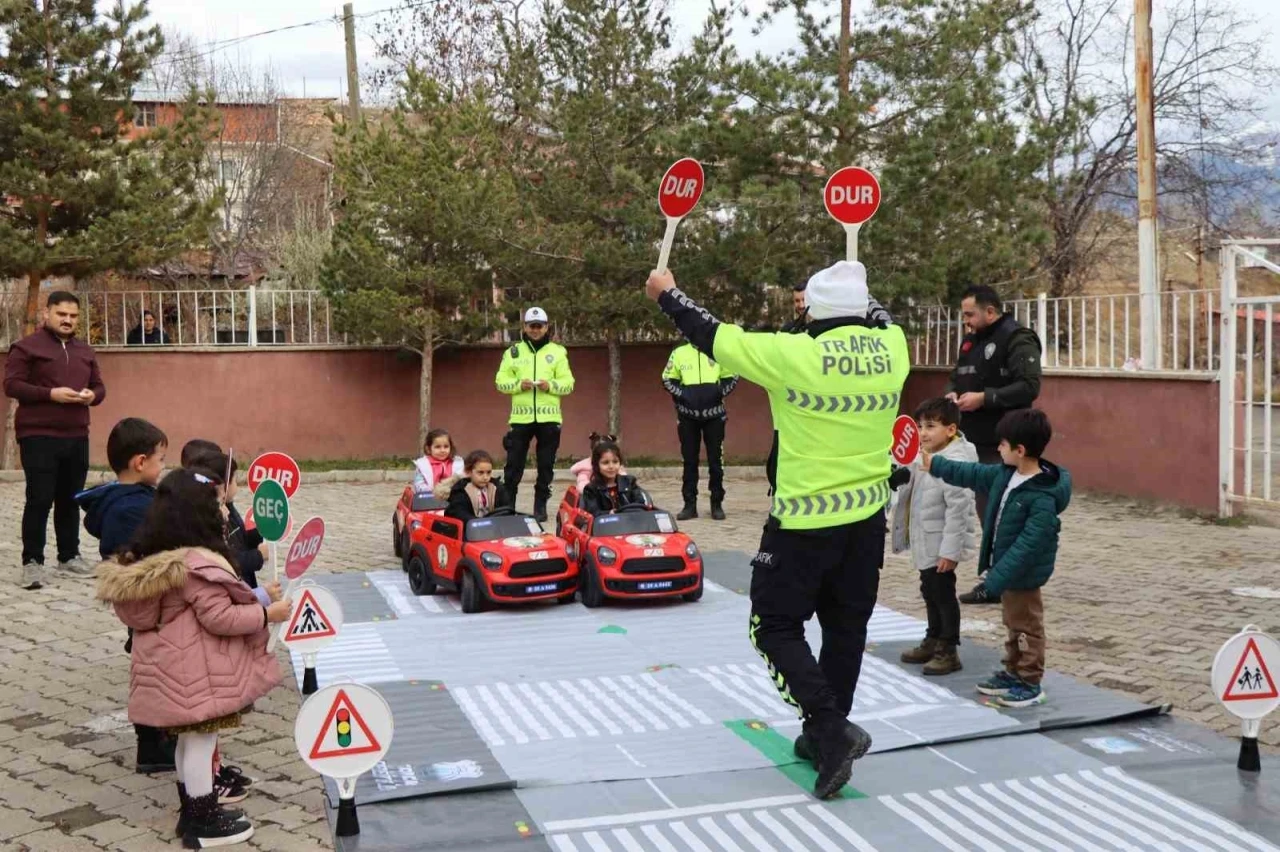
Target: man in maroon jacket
{"x":54,"y":377}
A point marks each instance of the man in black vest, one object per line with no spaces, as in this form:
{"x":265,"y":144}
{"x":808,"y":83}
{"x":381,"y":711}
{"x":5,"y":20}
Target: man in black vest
{"x":998,"y":371}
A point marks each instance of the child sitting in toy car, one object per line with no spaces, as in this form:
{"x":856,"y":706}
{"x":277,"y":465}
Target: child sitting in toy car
{"x":610,"y":490}
{"x":583,"y":470}
{"x":479,"y":494}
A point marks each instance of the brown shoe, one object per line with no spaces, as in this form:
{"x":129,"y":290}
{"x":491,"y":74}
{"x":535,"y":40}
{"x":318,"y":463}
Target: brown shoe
{"x":922,"y":653}
{"x":945,"y":661}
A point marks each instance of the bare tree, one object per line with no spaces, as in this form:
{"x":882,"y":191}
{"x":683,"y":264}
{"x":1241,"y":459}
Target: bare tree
{"x":1075,"y":71}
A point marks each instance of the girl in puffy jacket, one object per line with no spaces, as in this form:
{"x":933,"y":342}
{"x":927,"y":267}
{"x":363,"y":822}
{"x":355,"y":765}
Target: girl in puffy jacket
{"x":582,"y":469}
{"x":440,"y":465}
{"x":610,"y":489}
{"x":199,"y":643}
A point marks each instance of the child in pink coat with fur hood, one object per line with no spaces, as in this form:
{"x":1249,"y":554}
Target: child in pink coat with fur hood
{"x":199,"y":644}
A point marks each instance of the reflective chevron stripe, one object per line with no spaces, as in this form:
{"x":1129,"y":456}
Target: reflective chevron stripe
{"x":831,"y":503}
{"x":854,"y":404}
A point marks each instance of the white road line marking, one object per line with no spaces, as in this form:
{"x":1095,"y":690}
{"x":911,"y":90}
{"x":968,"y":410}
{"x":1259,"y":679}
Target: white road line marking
{"x":1101,"y":815}
{"x":500,"y":713}
{"x":748,"y":833}
{"x":661,"y":795}
{"x":513,"y":701}
{"x":921,"y":823}
{"x":541,"y":706}
{"x":659,"y":840}
{"x":957,"y":828}
{"x":677,"y":813}
{"x":668,"y":694}
{"x":1043,"y":840}
{"x":718,"y":835}
{"x":487,"y":730}
{"x":589,"y":707}
{"x":569,"y":710}
{"x":1077,"y":820}
{"x":857,"y":840}
{"x":953,"y":762}
{"x":630,"y":757}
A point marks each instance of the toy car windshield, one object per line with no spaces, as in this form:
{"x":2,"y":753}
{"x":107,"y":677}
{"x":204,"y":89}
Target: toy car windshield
{"x":425,"y":501}
{"x":490,"y":529}
{"x":626,"y":523}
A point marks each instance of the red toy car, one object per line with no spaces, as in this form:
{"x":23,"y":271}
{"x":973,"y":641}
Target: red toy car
{"x":412,"y":505}
{"x":503,"y":558}
{"x":636,"y":553}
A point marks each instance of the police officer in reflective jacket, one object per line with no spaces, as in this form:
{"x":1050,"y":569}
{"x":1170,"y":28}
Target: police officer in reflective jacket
{"x":699,"y":385}
{"x":535,"y":373}
{"x":834,"y":392}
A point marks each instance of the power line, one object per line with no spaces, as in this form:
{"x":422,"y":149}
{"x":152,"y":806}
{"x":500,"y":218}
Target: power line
{"x":219,"y":46}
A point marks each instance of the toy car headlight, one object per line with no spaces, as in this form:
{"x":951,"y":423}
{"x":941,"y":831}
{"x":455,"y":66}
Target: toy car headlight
{"x":691,"y":550}
{"x":607,"y":555}
{"x":492,"y":561}
{"x":415,"y":525}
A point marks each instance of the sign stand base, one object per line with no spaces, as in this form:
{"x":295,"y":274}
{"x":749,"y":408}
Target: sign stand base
{"x":348,"y":819}
{"x":1250,"y":758}
{"x":309,"y":684}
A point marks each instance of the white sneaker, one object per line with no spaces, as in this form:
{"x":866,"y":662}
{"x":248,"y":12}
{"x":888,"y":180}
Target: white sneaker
{"x":32,"y":576}
{"x":76,"y":568}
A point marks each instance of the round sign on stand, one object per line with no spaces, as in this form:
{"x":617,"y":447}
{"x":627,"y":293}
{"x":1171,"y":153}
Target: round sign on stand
{"x":852,"y":196}
{"x":271,"y":515}
{"x":313,"y":623}
{"x":906,"y":440}
{"x":1244,"y":681}
{"x":342,"y":732}
{"x":303,"y":552}
{"x":678,"y":194}
{"x":275,"y":467}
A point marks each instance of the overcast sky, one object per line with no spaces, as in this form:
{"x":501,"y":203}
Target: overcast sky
{"x":312,"y":57}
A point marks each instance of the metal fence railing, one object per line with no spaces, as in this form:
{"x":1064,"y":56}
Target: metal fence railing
{"x":1085,"y":332}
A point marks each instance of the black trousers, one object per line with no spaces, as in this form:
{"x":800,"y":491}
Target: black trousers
{"x":516,"y":443}
{"x":987,"y":454}
{"x":835,"y":573}
{"x":55,"y":469}
{"x":939,"y":592}
{"x":693,"y":434}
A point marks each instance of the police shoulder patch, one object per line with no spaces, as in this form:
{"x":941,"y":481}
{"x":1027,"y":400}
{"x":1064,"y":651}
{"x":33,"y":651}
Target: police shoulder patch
{"x":515,"y":350}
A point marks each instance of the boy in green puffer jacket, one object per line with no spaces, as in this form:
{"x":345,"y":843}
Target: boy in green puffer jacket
{"x":1019,"y":543}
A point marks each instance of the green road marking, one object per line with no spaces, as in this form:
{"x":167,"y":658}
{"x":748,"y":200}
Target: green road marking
{"x":778,"y":750}
{"x":612,"y":628}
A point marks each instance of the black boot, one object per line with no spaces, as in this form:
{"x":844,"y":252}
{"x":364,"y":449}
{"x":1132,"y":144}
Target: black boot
{"x":690,"y":510}
{"x":717,"y":510}
{"x":184,"y":816}
{"x":209,"y":825}
{"x":539,"y":509}
{"x":840,"y":743}
{"x":806,"y":745}
{"x":155,"y":750}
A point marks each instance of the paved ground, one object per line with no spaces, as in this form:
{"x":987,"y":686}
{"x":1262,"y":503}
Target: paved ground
{"x":1141,"y":601}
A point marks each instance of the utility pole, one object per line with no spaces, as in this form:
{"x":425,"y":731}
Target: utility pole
{"x":353,"y":70}
{"x":1148,"y":253}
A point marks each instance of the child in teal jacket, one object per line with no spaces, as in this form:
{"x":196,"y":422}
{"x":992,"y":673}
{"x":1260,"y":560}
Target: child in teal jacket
{"x":1019,"y":543}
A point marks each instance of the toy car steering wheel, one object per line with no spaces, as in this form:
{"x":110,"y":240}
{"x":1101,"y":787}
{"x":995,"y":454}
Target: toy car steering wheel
{"x":502,"y":512}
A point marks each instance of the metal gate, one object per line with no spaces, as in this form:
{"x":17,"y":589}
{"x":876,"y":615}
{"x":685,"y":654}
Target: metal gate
{"x":1250,"y":391}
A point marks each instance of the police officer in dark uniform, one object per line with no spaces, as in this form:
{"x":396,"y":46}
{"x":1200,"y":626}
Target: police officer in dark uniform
{"x":997,"y":371}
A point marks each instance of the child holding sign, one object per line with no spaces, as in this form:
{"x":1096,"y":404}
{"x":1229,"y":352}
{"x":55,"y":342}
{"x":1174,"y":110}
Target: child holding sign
{"x":937,"y":524}
{"x":200,"y":642}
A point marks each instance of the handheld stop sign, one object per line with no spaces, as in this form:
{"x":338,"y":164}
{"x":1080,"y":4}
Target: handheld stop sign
{"x":306,"y":546}
{"x":852,"y":196}
{"x":678,"y":194}
{"x":275,"y":467}
{"x":906,"y":440}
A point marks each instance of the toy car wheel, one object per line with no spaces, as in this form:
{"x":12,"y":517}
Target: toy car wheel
{"x":403,"y":552}
{"x":589,"y":584}
{"x":472,"y":596}
{"x":696,"y":594}
{"x":421,"y":582}
{"x":397,"y":544}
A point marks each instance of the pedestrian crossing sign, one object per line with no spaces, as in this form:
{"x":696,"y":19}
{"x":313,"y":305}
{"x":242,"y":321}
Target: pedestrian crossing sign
{"x":1251,"y":679}
{"x":1244,"y":672}
{"x":344,"y":732}
{"x":309,"y":620}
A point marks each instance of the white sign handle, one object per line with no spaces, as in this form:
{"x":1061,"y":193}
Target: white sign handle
{"x":667,"y":239}
{"x":275,"y":637}
{"x":851,"y":242}
{"x":275,"y":564}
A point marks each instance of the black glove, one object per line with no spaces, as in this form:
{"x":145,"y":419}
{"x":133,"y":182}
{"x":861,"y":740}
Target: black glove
{"x":900,"y":476}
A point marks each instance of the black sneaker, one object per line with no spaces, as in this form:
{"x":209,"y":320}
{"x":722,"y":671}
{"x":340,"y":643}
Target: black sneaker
{"x":209,"y":825}
{"x":978,"y":595}
{"x":805,"y":749}
{"x":690,"y":510}
{"x":234,"y":775}
{"x":839,"y":745}
{"x":229,"y":791}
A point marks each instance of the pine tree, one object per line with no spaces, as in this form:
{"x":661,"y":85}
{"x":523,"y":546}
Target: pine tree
{"x":409,"y":262}
{"x":80,"y":196}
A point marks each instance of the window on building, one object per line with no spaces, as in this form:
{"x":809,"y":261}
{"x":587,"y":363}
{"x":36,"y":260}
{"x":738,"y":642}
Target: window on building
{"x":228,"y":170}
{"x":144,"y":115}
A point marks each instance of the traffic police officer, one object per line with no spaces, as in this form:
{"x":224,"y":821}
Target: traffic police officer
{"x":834,"y":393}
{"x":535,"y":373}
{"x":698,"y":385}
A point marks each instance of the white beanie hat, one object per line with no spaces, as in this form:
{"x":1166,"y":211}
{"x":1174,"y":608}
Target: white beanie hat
{"x":838,"y":291}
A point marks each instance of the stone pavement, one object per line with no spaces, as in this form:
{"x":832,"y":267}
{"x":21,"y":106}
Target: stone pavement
{"x":1141,"y":601}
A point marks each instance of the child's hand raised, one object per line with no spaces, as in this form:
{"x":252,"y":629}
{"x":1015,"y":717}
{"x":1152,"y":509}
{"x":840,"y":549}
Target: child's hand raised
{"x":926,"y":461}
{"x":279,"y":611}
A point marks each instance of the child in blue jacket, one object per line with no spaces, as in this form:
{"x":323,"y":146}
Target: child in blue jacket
{"x":1020,"y":530}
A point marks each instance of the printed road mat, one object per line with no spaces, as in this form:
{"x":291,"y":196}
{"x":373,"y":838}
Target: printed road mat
{"x":656,"y":727}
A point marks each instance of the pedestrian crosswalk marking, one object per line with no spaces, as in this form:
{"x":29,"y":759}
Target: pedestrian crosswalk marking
{"x":359,"y":653}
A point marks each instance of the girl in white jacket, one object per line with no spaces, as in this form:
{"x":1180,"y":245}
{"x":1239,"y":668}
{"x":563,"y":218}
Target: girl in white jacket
{"x":440,"y":462}
{"x":938,"y":524}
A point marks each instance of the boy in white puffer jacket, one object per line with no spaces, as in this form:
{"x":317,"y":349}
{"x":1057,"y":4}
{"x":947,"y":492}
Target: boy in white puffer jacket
{"x":938,"y":524}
